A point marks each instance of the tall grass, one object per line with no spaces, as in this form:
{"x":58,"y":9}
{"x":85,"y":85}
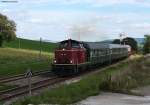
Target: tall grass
{"x":15,"y":61}
{"x":135,"y":75}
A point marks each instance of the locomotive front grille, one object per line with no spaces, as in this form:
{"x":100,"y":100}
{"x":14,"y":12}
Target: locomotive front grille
{"x":64,"y":61}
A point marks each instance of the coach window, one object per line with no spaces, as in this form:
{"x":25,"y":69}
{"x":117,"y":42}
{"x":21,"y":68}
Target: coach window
{"x":95,"y":53}
{"x":102,"y":52}
{"x":111,"y":51}
{"x":108,"y":51}
{"x":99,"y":52}
{"x":117,"y":50}
{"x":105,"y":51}
{"x":91,"y":53}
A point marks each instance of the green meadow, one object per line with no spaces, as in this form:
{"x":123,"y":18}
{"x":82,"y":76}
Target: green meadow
{"x":121,"y":78}
{"x":15,"y":61}
{"x":31,"y":45}
{"x":16,"y":58}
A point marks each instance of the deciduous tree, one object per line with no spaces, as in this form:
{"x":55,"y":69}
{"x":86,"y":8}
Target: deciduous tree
{"x":147,"y":44}
{"x":7,"y":29}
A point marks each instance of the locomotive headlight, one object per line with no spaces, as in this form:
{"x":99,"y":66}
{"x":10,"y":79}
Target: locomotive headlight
{"x":54,"y":61}
{"x":71,"y":61}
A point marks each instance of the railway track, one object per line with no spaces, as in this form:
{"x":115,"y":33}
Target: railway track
{"x":21,"y":76}
{"x":12,"y":93}
{"x":22,"y":90}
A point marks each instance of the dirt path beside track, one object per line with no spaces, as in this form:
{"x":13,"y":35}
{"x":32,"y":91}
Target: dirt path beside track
{"x":116,"y":99}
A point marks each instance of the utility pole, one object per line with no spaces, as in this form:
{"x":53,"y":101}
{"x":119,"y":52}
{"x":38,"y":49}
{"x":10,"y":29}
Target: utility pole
{"x":19,"y":42}
{"x":120,"y":37}
{"x":40,"y":48}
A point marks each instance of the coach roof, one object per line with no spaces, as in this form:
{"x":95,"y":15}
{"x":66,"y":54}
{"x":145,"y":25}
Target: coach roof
{"x":99,"y":45}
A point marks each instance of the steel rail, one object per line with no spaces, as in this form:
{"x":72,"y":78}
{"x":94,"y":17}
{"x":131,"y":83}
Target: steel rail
{"x":8,"y":94}
{"x":21,"y":76}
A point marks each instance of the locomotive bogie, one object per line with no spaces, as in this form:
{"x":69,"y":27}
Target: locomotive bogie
{"x":69,"y":69}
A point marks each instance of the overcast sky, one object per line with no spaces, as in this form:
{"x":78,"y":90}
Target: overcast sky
{"x":89,"y":20}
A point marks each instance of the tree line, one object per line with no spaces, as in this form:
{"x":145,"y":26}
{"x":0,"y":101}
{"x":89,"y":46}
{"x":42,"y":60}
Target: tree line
{"x":128,"y":41}
{"x":134,"y":45}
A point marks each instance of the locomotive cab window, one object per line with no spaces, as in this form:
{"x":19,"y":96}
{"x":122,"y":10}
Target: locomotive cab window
{"x":63,"y":45}
{"x":75,"y":45}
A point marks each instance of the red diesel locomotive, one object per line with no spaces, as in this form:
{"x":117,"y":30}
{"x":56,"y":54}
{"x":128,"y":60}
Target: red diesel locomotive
{"x":69,"y":57}
{"x":72,"y":57}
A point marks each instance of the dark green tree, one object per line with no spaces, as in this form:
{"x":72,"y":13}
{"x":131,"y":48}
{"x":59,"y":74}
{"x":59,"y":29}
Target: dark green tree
{"x":132,"y":42}
{"x":128,"y":41}
{"x":147,"y":44}
{"x":116,"y":41}
{"x":7,"y":29}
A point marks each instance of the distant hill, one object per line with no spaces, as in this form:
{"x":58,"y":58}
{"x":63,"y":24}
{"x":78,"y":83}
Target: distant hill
{"x":107,"y":41}
{"x":139,"y":40}
{"x":31,"y":44}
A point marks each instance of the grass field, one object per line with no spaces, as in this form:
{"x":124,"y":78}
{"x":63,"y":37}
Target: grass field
{"x":119,"y":78}
{"x":136,"y":74}
{"x":15,"y":61}
{"x":32,"y":45}
{"x":68,"y":94}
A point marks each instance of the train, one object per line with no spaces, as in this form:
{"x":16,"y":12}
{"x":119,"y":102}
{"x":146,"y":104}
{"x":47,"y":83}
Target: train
{"x":73,"y":57}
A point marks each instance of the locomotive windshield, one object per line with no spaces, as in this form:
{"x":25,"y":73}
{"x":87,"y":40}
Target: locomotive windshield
{"x":75,"y":45}
{"x":63,"y":45}
{"x":69,"y":43}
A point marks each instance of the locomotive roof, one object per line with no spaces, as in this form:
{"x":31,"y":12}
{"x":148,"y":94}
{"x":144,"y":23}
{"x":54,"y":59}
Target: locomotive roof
{"x":70,"y":40}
